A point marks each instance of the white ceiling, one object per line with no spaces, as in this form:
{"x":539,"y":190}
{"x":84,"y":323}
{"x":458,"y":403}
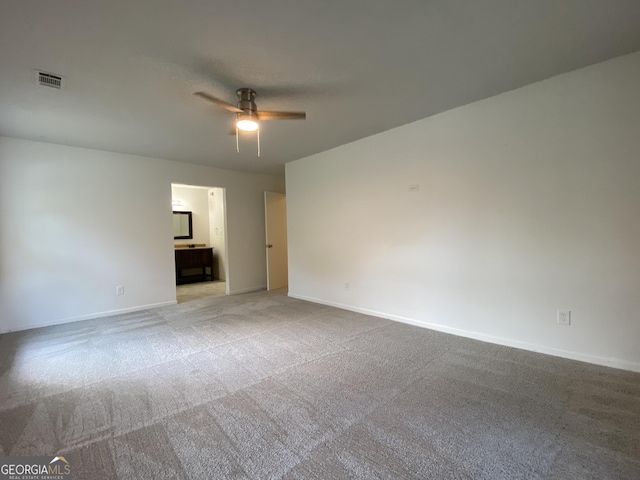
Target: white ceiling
{"x":357,"y":67}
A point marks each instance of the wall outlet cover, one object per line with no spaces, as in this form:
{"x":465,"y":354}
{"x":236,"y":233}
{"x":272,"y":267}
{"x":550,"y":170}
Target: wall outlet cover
{"x":564,"y":317}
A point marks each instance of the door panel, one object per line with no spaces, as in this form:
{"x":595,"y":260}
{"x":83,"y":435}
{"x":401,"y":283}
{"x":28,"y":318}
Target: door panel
{"x":275,"y":211}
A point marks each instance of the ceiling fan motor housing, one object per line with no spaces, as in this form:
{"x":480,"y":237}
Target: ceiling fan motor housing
{"x":246,"y":100}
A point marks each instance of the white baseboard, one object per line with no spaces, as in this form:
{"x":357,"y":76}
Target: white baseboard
{"x":247,"y":290}
{"x":89,"y":316}
{"x":507,"y":342}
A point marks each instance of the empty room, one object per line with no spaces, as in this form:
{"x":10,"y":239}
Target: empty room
{"x":320,"y":240}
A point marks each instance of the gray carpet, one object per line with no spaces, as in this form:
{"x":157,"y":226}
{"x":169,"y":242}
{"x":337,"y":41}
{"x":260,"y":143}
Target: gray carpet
{"x":264,"y":386}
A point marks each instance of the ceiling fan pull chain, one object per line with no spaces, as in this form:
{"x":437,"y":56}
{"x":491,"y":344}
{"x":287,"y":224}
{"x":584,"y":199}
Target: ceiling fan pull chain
{"x":258,"y":142}
{"x":237,"y":143}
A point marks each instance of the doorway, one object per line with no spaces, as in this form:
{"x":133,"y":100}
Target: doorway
{"x":208,"y":241}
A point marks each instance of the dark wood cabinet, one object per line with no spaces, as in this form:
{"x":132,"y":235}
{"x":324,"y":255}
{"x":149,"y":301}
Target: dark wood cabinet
{"x":192,"y":265}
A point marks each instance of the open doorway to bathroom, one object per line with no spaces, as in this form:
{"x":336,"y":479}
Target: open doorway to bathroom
{"x":201,"y":246}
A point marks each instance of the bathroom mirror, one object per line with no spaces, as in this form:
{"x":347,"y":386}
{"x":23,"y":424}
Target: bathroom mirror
{"x":182,"y":225}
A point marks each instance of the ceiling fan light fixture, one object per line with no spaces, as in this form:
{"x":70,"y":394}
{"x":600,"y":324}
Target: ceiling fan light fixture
{"x":247,"y":123}
{"x":247,"y":114}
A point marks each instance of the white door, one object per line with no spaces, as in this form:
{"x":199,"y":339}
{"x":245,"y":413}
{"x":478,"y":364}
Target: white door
{"x":275,"y":213}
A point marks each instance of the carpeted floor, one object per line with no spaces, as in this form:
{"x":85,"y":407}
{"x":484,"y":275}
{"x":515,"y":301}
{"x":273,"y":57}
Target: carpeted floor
{"x":264,"y":386}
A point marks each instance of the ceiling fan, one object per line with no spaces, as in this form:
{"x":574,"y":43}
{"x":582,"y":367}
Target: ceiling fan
{"x":247,"y":114}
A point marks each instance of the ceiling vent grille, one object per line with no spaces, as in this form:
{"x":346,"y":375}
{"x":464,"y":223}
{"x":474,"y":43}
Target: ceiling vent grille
{"x":49,"y":79}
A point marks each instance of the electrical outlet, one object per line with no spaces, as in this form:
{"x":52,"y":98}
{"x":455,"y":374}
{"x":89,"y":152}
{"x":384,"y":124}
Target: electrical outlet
{"x":119,"y":290}
{"x":564,"y":317}
{"x":347,"y":286}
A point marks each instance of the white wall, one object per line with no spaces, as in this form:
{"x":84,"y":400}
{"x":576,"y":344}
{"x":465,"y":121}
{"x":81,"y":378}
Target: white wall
{"x":74,"y":223}
{"x":195,"y":201}
{"x":528,"y":202}
{"x":217,"y":229}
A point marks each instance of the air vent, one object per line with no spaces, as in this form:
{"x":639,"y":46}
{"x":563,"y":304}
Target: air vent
{"x":49,"y":79}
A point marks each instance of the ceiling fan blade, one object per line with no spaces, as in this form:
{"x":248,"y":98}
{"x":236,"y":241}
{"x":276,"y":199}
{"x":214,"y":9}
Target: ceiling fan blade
{"x":218,"y":102}
{"x":268,"y":115}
